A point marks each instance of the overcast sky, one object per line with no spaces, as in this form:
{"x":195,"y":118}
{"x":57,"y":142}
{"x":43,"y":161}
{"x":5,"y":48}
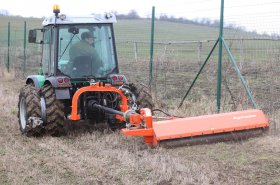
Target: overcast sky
{"x":39,"y":8}
{"x":254,"y":14}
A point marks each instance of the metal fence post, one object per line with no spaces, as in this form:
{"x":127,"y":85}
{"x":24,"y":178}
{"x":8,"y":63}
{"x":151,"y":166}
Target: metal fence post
{"x":135,"y":51}
{"x":199,"y":51}
{"x":152,"y":45}
{"x":24,"y":49}
{"x":8,"y":58}
{"x":219,"y":83}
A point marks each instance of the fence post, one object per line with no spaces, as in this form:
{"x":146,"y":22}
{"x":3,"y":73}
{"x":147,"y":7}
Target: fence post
{"x":24,"y":49}
{"x":8,"y":58}
{"x":152,"y":45}
{"x":241,"y":53}
{"x":219,"y":82}
{"x":199,"y":48}
{"x":135,"y":51}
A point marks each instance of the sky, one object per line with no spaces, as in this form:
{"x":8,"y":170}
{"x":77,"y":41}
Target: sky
{"x":257,"y":15}
{"x":39,"y":8}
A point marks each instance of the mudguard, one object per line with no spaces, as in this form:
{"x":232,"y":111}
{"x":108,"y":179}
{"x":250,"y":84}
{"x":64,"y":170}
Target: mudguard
{"x":37,"y":80}
{"x":61,"y":92}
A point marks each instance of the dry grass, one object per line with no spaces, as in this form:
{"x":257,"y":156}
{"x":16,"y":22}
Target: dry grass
{"x":104,"y":157}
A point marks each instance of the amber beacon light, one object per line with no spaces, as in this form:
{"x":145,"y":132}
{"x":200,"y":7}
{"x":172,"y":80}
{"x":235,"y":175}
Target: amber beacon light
{"x":56,"y":9}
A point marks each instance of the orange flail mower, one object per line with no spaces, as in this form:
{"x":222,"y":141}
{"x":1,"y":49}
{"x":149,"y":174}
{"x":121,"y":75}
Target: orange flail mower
{"x":207,"y":128}
{"x":192,"y":127}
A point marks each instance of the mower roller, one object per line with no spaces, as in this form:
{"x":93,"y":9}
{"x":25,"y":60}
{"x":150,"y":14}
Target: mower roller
{"x":79,"y":80}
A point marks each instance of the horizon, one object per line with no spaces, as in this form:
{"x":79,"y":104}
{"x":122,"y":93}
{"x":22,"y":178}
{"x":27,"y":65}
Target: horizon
{"x":254,"y":15}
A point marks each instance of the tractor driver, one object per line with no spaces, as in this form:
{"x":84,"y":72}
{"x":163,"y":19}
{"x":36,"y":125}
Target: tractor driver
{"x":83,"y":51}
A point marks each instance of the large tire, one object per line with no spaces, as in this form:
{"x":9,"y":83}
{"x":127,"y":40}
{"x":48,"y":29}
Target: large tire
{"x":143,"y":97}
{"x":29,"y":112}
{"x":54,"y":112}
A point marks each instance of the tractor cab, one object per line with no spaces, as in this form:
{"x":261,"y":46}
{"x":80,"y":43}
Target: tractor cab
{"x":77,"y":47}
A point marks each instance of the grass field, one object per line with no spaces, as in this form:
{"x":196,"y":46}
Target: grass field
{"x":87,"y":155}
{"x":91,"y":155}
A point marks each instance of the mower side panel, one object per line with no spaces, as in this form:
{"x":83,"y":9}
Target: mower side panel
{"x":203,"y":129}
{"x":210,"y":124}
{"x":37,"y":80}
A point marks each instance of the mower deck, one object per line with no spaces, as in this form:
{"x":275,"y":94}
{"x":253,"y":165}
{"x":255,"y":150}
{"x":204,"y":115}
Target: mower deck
{"x":208,"y":125}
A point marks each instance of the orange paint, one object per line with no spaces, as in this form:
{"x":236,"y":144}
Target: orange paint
{"x":98,"y":87}
{"x":210,"y":124}
{"x":201,"y":125}
{"x":153,"y":132}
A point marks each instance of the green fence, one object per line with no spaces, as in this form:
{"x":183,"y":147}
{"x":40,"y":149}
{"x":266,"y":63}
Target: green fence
{"x":180,"y":49}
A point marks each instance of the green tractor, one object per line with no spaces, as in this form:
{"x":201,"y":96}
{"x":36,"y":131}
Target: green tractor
{"x":77,"y":85}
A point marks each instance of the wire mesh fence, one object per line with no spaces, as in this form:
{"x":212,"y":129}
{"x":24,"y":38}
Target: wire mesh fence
{"x":181,"y":46}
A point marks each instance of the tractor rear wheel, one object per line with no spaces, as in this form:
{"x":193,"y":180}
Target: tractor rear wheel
{"x":143,"y":97}
{"x":29,"y":111}
{"x":54,"y":112}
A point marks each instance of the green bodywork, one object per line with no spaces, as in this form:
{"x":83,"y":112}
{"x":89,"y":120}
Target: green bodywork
{"x":41,"y":80}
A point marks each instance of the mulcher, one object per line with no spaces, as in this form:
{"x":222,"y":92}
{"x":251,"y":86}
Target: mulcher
{"x":75,"y":89}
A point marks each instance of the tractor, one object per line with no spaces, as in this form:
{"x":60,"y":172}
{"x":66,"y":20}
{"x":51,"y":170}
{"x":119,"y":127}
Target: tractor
{"x":47,"y":98}
{"x":76,"y":82}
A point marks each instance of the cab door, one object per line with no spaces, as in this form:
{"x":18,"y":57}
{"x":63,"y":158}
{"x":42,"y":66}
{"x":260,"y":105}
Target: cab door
{"x":48,"y":51}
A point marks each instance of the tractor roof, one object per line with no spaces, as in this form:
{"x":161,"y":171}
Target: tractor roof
{"x":95,"y":18}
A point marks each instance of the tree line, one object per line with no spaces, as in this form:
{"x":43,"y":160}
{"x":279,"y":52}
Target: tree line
{"x":132,"y":14}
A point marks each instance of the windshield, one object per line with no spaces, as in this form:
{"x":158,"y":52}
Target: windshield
{"x":86,"y":51}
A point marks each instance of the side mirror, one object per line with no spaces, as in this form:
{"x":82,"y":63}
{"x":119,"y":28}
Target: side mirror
{"x":32,"y":36}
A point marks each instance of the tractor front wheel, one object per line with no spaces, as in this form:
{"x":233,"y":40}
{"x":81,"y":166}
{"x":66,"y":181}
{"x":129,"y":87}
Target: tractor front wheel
{"x":54,"y":112}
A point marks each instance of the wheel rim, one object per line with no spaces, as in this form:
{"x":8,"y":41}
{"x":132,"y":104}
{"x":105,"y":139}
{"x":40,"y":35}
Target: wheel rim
{"x":22,"y":113}
{"x":43,"y":109}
